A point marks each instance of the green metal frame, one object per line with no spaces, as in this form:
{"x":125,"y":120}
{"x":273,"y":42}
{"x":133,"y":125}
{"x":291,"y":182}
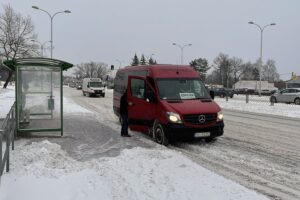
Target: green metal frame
{"x":15,"y":64}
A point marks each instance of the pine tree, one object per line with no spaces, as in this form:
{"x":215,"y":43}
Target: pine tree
{"x":135,"y":61}
{"x":143,"y":60}
{"x":151,"y":61}
{"x":201,"y":66}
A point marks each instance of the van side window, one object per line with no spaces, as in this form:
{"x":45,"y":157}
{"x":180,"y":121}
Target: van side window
{"x":137,"y":88}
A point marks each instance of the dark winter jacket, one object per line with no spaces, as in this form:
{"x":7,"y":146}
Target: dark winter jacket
{"x":124,"y":104}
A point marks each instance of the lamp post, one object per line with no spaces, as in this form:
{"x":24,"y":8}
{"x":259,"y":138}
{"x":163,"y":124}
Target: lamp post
{"x":181,"y":49}
{"x":42,"y":46}
{"x":261,"y":42}
{"x":51,"y":19}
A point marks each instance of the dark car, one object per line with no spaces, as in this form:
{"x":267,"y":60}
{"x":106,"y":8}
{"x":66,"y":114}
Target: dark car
{"x":223,"y":92}
{"x":79,"y":86}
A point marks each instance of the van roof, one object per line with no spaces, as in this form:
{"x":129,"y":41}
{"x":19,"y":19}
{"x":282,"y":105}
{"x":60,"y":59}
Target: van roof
{"x":165,"y":70}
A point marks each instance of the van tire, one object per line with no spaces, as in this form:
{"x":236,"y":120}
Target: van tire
{"x":297,"y":101}
{"x":83,"y":93}
{"x":160,"y":134}
{"x":103,"y":94}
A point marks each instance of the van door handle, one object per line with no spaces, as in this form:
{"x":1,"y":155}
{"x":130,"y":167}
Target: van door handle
{"x":130,"y":103}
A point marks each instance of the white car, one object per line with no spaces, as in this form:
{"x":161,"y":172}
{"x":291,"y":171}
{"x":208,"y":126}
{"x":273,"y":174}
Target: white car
{"x":289,"y":95}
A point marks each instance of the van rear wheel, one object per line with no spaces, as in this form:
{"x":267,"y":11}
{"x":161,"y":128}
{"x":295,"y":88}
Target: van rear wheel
{"x":160,"y":134}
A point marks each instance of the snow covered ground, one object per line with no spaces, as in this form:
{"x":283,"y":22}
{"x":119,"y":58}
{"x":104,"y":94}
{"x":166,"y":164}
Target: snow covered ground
{"x":42,"y":170}
{"x":7,"y":98}
{"x":260,"y":106}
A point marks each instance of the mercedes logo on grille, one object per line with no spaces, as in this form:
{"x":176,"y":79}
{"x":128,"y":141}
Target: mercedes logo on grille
{"x":201,"y":119}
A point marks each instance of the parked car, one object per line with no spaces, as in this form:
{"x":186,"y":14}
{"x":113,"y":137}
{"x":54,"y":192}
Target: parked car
{"x":289,"y":95}
{"x":79,"y":86}
{"x":267,"y":92}
{"x":222,"y":92}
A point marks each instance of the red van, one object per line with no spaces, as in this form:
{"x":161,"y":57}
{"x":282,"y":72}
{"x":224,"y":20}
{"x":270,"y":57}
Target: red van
{"x":168,"y":101}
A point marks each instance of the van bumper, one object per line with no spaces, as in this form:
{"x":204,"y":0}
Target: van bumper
{"x":179,"y":130}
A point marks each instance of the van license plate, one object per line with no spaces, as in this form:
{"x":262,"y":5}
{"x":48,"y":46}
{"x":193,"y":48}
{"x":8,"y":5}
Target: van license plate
{"x":203,"y":134}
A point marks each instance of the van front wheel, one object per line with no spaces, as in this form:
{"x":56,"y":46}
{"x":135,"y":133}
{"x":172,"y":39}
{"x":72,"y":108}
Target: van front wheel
{"x":160,"y":134}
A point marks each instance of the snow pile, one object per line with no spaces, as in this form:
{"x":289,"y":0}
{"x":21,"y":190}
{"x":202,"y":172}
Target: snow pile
{"x":42,"y":170}
{"x":260,"y":107}
{"x":7,"y":99}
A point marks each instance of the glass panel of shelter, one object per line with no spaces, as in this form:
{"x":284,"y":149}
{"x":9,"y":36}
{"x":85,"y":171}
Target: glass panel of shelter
{"x":39,"y":93}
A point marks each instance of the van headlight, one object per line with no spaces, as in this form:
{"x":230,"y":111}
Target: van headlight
{"x":174,"y":117}
{"x":220,"y":116}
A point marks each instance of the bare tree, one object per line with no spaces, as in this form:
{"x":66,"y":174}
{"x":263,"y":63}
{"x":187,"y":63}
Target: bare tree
{"x":236,"y":68}
{"x":91,"y":70}
{"x":269,"y":71}
{"x":222,"y":66}
{"x":16,"y":33}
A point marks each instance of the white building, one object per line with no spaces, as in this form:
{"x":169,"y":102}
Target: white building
{"x":254,"y":85}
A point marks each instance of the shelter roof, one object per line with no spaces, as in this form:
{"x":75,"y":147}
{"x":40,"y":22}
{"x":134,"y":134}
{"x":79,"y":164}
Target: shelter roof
{"x":11,"y":64}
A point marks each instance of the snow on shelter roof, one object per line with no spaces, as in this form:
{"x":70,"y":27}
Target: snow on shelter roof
{"x":11,"y":64}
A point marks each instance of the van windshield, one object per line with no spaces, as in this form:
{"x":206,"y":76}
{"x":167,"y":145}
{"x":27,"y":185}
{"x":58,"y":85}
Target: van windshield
{"x":183,"y":88}
{"x":95,"y":84}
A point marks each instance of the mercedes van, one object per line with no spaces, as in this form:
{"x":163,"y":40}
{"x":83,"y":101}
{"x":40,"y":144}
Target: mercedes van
{"x":168,"y":101}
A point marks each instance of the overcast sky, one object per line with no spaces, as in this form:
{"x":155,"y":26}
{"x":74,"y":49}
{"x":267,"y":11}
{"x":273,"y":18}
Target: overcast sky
{"x":106,"y":30}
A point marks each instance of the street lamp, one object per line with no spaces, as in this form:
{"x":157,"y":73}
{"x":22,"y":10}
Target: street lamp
{"x":51,"y":19}
{"x":42,"y":45}
{"x":261,"y":42}
{"x":181,"y":48}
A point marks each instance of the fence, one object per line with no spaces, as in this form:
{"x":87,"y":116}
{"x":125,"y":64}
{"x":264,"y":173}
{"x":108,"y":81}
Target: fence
{"x":7,"y":137}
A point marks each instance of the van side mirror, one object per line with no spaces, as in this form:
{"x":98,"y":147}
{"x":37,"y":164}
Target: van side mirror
{"x":212,"y":94}
{"x":150,"y":96}
{"x":88,"y":86}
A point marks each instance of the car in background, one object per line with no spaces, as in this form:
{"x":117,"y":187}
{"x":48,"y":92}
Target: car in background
{"x":223,"y":92}
{"x":78,"y":86}
{"x":289,"y":95}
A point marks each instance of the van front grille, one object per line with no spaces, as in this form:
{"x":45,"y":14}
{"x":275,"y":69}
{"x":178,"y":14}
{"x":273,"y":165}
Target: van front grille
{"x":200,"y":119}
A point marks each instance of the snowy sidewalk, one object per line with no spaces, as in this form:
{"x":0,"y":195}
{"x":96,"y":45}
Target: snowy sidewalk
{"x":93,"y":162}
{"x":85,"y":138}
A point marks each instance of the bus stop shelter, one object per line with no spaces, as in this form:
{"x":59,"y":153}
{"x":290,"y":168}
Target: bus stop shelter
{"x":39,"y":94}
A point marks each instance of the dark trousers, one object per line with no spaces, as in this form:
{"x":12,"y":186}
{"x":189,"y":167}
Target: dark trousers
{"x":124,"y":130}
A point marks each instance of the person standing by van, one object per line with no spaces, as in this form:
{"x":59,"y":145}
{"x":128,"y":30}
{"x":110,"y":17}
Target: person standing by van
{"x":124,"y":114}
